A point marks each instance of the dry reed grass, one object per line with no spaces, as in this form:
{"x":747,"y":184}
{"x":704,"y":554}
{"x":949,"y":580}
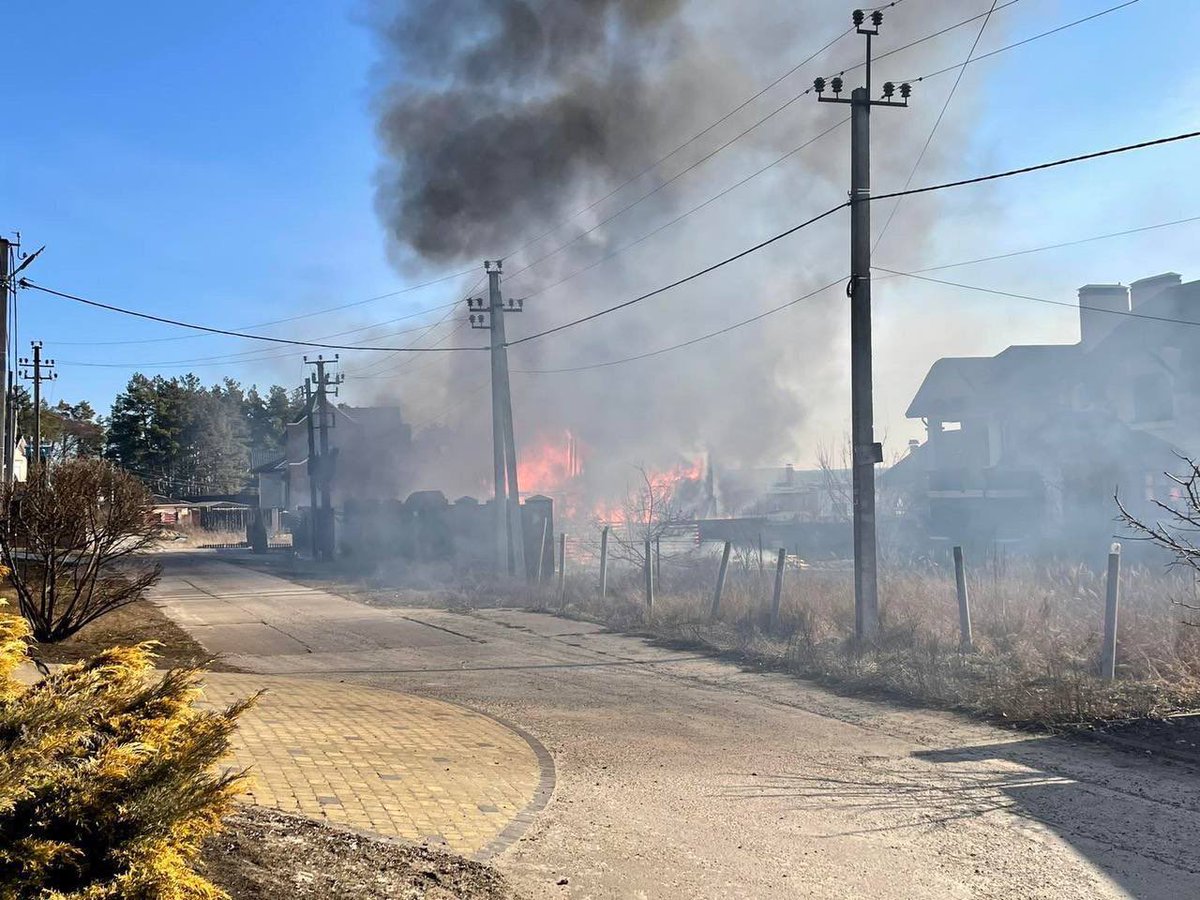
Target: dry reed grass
{"x":1036,"y":629}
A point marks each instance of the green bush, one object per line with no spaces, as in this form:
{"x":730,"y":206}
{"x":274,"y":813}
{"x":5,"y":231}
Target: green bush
{"x":108,"y":780}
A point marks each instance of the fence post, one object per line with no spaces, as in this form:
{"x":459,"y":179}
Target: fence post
{"x":604,"y":562}
{"x":541,"y":563}
{"x":966,"y":637}
{"x":562,"y":570}
{"x":649,"y":582}
{"x":779,"y":565}
{"x":716,"y":604}
{"x":1108,"y":650}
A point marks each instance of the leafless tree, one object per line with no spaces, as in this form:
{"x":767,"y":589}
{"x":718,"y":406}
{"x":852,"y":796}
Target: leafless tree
{"x":1178,"y":528}
{"x":72,"y":539}
{"x":837,"y":483}
{"x":649,"y":511}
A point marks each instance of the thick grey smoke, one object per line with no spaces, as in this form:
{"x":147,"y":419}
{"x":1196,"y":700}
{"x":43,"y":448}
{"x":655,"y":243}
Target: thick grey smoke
{"x":504,"y":105}
{"x":501,"y":119}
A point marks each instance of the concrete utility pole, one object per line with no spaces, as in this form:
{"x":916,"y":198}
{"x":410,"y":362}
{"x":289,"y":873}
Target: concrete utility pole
{"x":40,"y":372}
{"x":312,"y":468}
{"x":6,"y":293}
{"x":324,"y":383}
{"x":866,"y":452}
{"x":510,"y":534}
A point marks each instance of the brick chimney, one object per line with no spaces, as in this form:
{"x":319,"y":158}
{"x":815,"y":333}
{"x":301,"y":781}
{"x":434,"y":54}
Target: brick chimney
{"x":1097,"y":305}
{"x":1148,"y":288}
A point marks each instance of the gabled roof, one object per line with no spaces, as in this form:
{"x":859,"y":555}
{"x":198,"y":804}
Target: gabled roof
{"x":960,"y":387}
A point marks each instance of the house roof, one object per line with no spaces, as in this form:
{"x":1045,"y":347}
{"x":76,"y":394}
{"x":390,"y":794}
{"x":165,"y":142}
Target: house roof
{"x":959,"y":387}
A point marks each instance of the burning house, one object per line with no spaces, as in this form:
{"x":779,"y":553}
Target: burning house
{"x":1029,"y":446}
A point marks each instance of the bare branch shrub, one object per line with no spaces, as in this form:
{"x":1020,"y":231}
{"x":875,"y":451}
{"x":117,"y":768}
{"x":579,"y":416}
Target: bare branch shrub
{"x":72,"y":538}
{"x":1178,"y":529}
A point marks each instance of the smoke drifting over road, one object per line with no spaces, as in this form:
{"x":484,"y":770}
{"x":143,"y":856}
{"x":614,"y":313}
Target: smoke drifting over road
{"x":500,"y":120}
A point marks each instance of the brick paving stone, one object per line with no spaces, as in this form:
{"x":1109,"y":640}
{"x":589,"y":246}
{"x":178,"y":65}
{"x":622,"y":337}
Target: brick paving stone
{"x":381,"y":761}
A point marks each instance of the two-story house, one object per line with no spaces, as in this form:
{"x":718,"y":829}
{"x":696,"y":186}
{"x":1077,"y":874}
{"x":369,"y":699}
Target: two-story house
{"x":1031,"y":444}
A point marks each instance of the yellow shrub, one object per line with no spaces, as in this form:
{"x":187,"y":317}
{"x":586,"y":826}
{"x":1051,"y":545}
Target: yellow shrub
{"x":107,"y":779}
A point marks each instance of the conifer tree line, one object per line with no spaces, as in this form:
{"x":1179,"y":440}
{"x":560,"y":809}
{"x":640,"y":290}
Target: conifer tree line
{"x":176,"y":434}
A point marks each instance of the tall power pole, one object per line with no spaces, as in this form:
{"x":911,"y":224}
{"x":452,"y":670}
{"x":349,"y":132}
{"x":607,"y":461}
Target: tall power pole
{"x":510,"y":534}
{"x":37,"y":370}
{"x":312,"y":468}
{"x":6,"y":293}
{"x":865,"y":452}
{"x":324,"y":383}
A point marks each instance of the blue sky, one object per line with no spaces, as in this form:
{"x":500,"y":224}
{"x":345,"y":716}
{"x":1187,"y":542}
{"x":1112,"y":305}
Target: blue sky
{"x":214,"y":162}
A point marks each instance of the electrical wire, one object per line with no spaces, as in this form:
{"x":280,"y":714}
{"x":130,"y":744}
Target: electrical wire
{"x":1024,"y":170}
{"x":1061,"y":244}
{"x":928,"y":140}
{"x":688,"y":343}
{"x":929,"y":37}
{"x":699,"y":134}
{"x":694,"y":209}
{"x":935,"y":187}
{"x":26,"y":283}
{"x":307,"y":315}
{"x":983,"y":290}
{"x":681,"y":281}
{"x":1023,"y":42}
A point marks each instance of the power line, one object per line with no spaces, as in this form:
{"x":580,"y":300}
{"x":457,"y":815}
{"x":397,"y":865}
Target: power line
{"x":694,"y":209}
{"x":935,"y":187}
{"x":26,"y":283}
{"x":1016,"y":296}
{"x":1023,"y":42}
{"x":699,"y":134}
{"x":995,"y":8}
{"x":1061,"y":244}
{"x":688,"y":343}
{"x":307,"y":315}
{"x":931,"y":36}
{"x":683,"y":280}
{"x":928,"y":140}
{"x":1040,"y":166}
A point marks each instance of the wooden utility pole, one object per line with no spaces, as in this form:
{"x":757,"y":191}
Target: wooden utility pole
{"x":325,"y":384}
{"x":866,"y":452}
{"x":510,"y":533}
{"x":37,"y":370}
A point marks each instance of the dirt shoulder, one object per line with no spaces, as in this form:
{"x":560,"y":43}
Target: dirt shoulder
{"x":268,"y":855}
{"x":133,"y":624}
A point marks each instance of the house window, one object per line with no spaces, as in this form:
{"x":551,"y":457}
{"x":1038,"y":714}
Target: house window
{"x":1152,"y":400}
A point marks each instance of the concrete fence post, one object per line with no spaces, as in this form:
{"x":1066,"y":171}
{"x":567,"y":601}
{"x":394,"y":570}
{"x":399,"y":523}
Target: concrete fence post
{"x":541,"y":559}
{"x":780,"y":562}
{"x":966,"y":637}
{"x":649,"y":566}
{"x":716,"y":601}
{"x":562,"y":570}
{"x":604,"y":562}
{"x":1108,"y":649}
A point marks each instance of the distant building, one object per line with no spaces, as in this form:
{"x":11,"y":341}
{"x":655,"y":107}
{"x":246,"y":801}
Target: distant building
{"x":1031,"y":444}
{"x":371,"y":453}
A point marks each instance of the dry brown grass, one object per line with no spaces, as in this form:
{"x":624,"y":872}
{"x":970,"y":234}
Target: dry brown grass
{"x":1037,"y":631}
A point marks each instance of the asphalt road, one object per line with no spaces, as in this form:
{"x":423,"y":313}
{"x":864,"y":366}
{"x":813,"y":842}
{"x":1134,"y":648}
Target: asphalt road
{"x":684,"y":777}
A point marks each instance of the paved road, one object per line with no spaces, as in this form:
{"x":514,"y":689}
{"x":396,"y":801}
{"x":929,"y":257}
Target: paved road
{"x":682,"y":777}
